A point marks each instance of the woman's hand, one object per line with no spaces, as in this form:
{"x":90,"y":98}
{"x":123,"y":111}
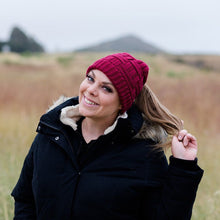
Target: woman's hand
{"x":184,"y":146}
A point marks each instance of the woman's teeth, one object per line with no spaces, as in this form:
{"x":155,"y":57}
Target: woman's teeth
{"x":89,"y":102}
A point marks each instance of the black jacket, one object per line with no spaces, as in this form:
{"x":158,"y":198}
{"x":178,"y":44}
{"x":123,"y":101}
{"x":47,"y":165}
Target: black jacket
{"x":121,"y":177}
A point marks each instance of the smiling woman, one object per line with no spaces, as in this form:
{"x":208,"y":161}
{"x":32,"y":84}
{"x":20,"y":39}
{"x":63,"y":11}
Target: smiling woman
{"x":98,"y":102}
{"x":100,"y":155}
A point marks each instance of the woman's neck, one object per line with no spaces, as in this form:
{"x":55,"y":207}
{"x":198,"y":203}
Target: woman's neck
{"x":93,"y":129}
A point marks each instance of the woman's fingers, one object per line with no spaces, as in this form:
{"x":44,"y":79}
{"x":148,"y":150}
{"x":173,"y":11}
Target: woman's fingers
{"x":184,"y":146}
{"x":187,"y":138}
{"x":192,"y":140}
{"x":182,"y":134}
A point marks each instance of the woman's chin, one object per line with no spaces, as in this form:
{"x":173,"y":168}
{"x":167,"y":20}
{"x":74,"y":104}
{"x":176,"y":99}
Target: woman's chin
{"x":87,"y":111}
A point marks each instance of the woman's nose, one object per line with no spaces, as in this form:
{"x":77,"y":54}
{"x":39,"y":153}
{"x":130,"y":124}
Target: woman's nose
{"x":92,"y":89}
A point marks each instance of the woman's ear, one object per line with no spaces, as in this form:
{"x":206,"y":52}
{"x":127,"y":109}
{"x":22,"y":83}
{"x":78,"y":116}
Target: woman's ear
{"x":120,"y":107}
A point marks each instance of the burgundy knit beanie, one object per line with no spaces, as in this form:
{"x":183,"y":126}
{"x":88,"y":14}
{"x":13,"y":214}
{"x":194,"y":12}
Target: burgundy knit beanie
{"x":127,"y":74}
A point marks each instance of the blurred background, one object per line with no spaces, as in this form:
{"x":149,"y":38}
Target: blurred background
{"x":46,"y":47}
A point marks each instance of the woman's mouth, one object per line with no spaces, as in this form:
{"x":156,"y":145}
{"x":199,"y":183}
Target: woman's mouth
{"x":89,"y":102}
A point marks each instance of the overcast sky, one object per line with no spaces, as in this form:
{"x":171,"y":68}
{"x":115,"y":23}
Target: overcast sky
{"x":174,"y":25}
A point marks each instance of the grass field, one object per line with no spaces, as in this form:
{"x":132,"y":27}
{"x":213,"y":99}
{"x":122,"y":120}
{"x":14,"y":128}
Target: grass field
{"x":188,"y":85}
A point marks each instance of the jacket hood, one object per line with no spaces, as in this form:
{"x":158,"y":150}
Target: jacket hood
{"x":65,"y":111}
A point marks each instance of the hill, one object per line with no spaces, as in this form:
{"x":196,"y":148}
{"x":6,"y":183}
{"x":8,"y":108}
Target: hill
{"x":20,"y":42}
{"x":129,"y":43}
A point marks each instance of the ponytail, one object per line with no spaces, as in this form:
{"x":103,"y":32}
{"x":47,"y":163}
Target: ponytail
{"x":159,"y":123}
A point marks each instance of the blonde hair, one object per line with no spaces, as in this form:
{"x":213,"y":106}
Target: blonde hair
{"x":159,"y":123}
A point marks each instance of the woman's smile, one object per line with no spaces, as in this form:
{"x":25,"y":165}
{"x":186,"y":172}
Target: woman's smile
{"x":90,"y":102}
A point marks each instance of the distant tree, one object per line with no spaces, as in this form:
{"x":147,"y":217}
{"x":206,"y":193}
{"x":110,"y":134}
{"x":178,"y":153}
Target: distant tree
{"x":33,"y":46}
{"x":19,"y":42}
{"x":2,"y":44}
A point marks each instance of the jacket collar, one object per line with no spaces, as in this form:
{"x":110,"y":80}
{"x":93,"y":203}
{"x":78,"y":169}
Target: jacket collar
{"x":52,"y":117}
{"x":125,"y":127}
{"x":70,"y":115}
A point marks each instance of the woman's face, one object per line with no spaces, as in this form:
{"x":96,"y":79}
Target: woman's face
{"x":98,"y":98}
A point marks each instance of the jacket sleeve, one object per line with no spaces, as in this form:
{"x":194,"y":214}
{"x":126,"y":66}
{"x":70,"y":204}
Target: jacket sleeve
{"x":173,"y":190}
{"x":22,"y":192}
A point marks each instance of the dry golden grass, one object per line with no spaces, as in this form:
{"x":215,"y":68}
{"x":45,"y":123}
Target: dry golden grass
{"x":30,"y":84}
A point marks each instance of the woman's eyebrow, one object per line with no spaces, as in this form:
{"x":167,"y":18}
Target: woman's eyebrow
{"x":93,"y":74}
{"x":109,"y":83}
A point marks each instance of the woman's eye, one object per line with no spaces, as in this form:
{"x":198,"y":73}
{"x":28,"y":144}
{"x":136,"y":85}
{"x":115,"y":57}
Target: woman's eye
{"x":107,"y":89}
{"x":89,"y":78}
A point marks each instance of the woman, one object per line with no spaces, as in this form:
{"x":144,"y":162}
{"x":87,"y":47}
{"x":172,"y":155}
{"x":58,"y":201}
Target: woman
{"x":100,"y":155}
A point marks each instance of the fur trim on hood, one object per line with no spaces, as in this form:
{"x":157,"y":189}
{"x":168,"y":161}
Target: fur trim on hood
{"x":70,"y":115}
